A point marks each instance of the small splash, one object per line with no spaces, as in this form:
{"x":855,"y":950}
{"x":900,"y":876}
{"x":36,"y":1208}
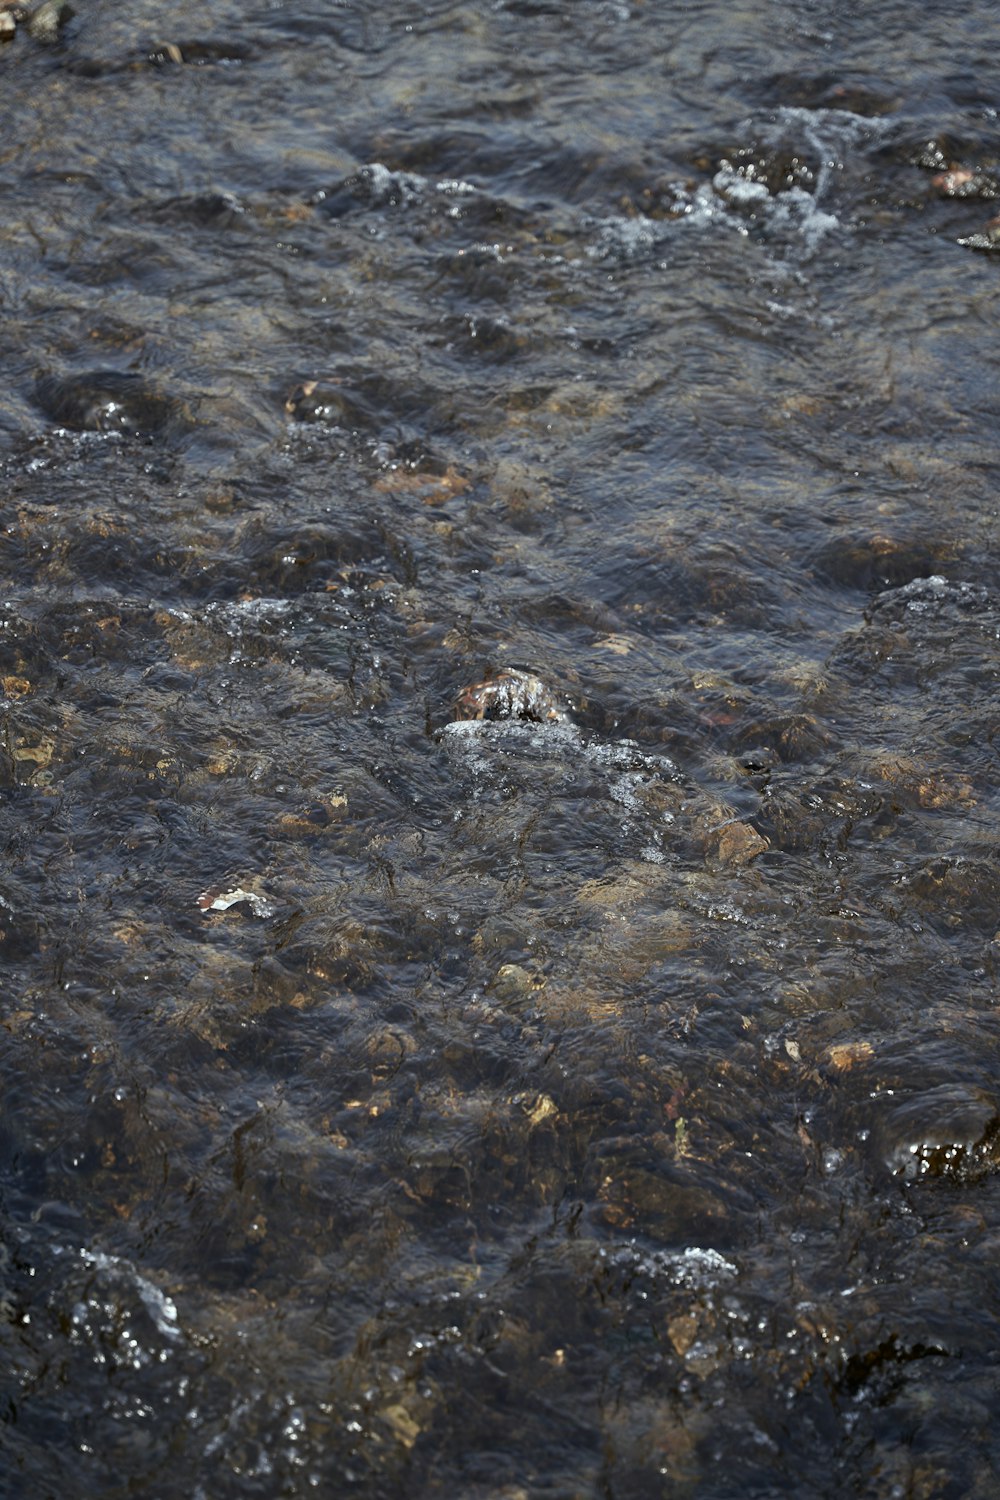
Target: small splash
{"x":387,"y":189}
{"x":784,"y":176}
{"x":161,"y":1309}
{"x":620,"y":238}
{"x":456,"y":187}
{"x":512,"y":735}
{"x":932,"y":596}
{"x":236,"y":615}
{"x":698,"y":1268}
{"x":626,"y":756}
{"x":792,"y":211}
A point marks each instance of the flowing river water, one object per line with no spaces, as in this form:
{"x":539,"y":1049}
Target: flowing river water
{"x":499,"y":644}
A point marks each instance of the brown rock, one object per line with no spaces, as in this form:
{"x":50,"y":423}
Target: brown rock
{"x":739,"y":844}
{"x":845,"y":1054}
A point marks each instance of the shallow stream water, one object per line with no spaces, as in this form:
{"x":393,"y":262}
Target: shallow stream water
{"x":592,"y":1100}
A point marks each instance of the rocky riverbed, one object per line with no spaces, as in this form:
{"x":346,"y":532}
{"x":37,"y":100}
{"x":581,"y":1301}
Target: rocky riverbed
{"x":499,"y":643}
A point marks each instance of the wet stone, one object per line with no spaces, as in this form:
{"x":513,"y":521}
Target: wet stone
{"x":357,"y":399}
{"x":961,"y":182}
{"x":878,"y":561}
{"x":775,"y":170}
{"x":486,"y":337}
{"x":198,"y":52}
{"x":372,"y":186}
{"x":18,"y":931}
{"x":791,"y":736}
{"x":208,"y":210}
{"x":660,"y":1204}
{"x":829,"y":91}
{"x":108,"y":401}
{"x":988,"y":238}
{"x":512,"y":983}
{"x":954,"y":891}
{"x":737,"y":844}
{"x":952,"y":1132}
{"x":483,"y":272}
{"x":47,"y":19}
{"x":933,"y":598}
{"x":43,"y":21}
{"x":325,"y":401}
{"x":511,"y":694}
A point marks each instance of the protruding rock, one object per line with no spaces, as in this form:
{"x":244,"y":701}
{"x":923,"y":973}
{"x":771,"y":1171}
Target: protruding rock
{"x":107,"y":401}
{"x":988,"y":237}
{"x":961,"y":182}
{"x":45,"y":20}
{"x":511,"y":694}
{"x":737,"y":844}
{"x":952,"y":1131}
{"x":322,"y":401}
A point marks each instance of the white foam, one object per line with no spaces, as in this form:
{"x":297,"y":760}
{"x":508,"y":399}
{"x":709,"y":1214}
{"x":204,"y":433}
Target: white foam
{"x":387,"y":187}
{"x":623,"y":239}
{"x":732,"y":185}
{"x":793,"y":211}
{"x":696,"y":1267}
{"x":234,"y":615}
{"x":456,"y":187}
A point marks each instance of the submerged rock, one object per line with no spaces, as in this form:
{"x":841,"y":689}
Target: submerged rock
{"x":326,"y":401}
{"x":952,"y":1131}
{"x":107,"y":401}
{"x":18,"y":931}
{"x":933,"y":599}
{"x":737,"y":843}
{"x":872,"y":560}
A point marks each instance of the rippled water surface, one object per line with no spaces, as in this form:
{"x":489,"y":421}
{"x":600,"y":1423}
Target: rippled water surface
{"x":420,"y":1079}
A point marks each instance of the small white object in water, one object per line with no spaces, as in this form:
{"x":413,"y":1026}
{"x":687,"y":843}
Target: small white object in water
{"x":216,"y":900}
